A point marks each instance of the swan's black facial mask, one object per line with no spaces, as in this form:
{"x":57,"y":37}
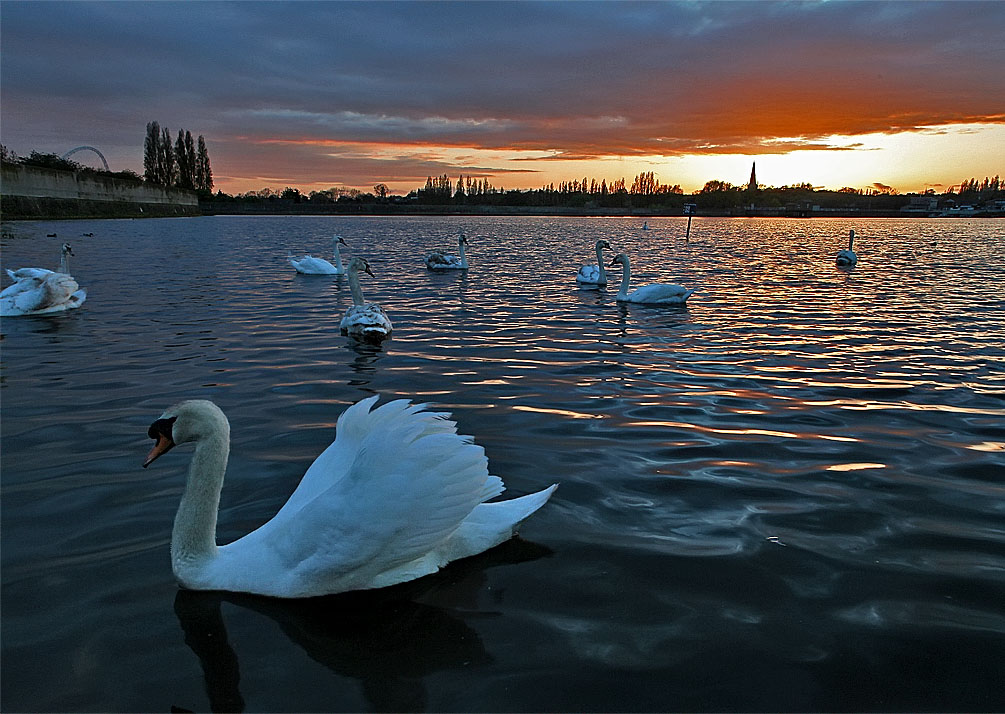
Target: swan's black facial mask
{"x":160,"y":431}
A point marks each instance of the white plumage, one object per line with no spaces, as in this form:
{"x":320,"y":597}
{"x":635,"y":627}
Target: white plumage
{"x":846,"y":258}
{"x":655,"y":294}
{"x":397,"y":495}
{"x":364,"y":321}
{"x":595,"y":274}
{"x":38,"y":291}
{"x":438,"y":260}
{"x":309,"y":265}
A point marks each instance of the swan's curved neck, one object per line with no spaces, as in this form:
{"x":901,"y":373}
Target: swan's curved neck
{"x":851,"y":239}
{"x":460,"y":249}
{"x":626,"y":276}
{"x":354,"y":288}
{"x":64,"y":262}
{"x":193,"y":537}
{"x":600,"y":264}
{"x":338,"y":258}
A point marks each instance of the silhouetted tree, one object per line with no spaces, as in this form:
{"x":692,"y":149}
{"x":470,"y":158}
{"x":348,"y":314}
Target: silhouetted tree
{"x":151,"y":153}
{"x":203,"y":171}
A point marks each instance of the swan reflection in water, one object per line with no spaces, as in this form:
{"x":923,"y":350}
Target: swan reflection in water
{"x":364,"y":364}
{"x":386,"y":639}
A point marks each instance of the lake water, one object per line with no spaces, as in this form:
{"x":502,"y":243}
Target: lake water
{"x":789,"y":495}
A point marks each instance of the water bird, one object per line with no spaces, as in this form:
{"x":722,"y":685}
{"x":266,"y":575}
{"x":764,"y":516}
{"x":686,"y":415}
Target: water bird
{"x":39,"y":291}
{"x":50,"y":235}
{"x":595,"y":274}
{"x":846,"y":258}
{"x":309,"y":265}
{"x":438,"y":260}
{"x":364,"y":321}
{"x":645,"y":225}
{"x":87,"y":235}
{"x":397,"y":495}
{"x":655,"y":294}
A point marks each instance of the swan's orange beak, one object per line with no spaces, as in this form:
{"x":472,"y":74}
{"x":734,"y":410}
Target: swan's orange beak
{"x":163,"y":445}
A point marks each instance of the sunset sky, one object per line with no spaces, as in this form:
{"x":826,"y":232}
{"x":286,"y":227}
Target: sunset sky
{"x":317,"y":94}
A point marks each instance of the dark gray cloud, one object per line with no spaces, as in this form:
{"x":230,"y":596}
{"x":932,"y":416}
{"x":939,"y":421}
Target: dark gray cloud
{"x":571,"y":78}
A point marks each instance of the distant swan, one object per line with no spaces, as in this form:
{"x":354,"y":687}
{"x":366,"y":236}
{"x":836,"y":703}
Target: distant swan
{"x":396,"y":496}
{"x":364,"y":321}
{"x":595,"y":274}
{"x":846,"y":258}
{"x":38,"y":291}
{"x":437,"y":260}
{"x":309,"y":265}
{"x":655,"y":294}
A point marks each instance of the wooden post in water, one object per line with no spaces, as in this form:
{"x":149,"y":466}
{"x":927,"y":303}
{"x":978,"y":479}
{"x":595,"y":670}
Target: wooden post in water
{"x":689,"y":209}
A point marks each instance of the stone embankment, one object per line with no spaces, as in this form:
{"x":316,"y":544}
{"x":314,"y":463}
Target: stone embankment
{"x":30,"y":192}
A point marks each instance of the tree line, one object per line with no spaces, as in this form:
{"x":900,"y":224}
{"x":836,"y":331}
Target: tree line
{"x":180,"y":164}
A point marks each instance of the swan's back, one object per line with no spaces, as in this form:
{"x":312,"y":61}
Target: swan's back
{"x":590,"y":274}
{"x":53,"y":292}
{"x":309,"y":265}
{"x":368,"y":322}
{"x":436,"y":260}
{"x":380,"y":505}
{"x":846,"y":257}
{"x":659,"y":294}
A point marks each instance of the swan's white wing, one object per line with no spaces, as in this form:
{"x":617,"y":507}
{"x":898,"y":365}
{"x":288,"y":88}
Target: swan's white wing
{"x":436,"y":259}
{"x":660,"y":293}
{"x":22,"y":273}
{"x":395,"y":483}
{"x":22,"y":284}
{"x":589,"y":274}
{"x":313,"y":266}
{"x":365,"y":317}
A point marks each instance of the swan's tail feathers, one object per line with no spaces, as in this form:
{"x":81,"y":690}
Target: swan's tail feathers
{"x":77,"y":299}
{"x":510,"y":514}
{"x":687,"y":294}
{"x":11,"y":274}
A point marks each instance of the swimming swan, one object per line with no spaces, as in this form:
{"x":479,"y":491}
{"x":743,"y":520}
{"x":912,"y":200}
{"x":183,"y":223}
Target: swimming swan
{"x":847,"y":258}
{"x":397,"y":495}
{"x":595,"y":274}
{"x":364,"y":321}
{"x":38,"y":291}
{"x":437,"y":260}
{"x":655,"y":294}
{"x":309,"y":265}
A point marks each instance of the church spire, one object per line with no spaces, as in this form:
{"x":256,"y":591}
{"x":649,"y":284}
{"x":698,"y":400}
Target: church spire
{"x":752,"y":186}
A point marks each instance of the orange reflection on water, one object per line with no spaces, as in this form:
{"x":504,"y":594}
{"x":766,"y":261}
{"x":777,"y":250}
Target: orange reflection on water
{"x":559,"y":412}
{"x":987,"y":446}
{"x":855,"y":467}
{"x":742,"y":432}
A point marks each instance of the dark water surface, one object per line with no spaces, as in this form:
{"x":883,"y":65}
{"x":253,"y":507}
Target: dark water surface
{"x":789,"y":495}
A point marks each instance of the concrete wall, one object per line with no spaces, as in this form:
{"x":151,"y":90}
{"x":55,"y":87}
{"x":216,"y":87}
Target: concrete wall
{"x":34,"y":182}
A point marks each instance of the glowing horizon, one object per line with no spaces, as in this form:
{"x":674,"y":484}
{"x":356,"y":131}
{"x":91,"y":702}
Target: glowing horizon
{"x":316,"y":95}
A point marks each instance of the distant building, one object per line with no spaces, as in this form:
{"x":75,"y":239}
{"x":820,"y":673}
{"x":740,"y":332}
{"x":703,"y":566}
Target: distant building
{"x":752,"y":186}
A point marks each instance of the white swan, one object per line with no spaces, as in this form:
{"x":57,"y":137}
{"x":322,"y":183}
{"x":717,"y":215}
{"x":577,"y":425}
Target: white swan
{"x":437,"y":260}
{"x":397,"y":495}
{"x":846,"y":258}
{"x":38,"y":291}
{"x":655,"y":294}
{"x":364,"y":321}
{"x":309,"y":265}
{"x":595,"y":274}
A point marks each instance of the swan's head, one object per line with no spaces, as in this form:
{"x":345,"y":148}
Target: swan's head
{"x":604,"y":244}
{"x":361,"y":264}
{"x":67,"y":250}
{"x":338,"y":239}
{"x":619,"y":259}
{"x":462,"y":238}
{"x":184,"y":422}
